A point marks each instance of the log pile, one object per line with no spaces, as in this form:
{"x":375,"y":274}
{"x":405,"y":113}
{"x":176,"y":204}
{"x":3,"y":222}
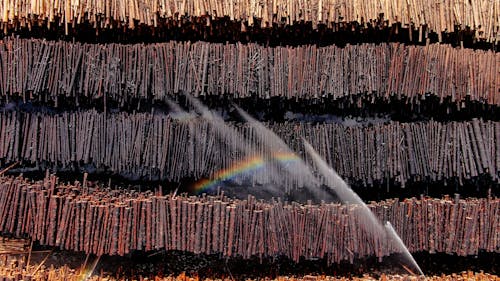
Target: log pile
{"x":439,"y":16}
{"x":157,"y":146}
{"x":12,"y":246}
{"x":17,"y":272}
{"x":101,"y":221}
{"x":10,"y":272}
{"x":49,"y":71}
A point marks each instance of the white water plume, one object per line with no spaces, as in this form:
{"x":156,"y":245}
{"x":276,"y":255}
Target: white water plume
{"x":347,"y":195}
{"x":392,"y":232}
{"x":231,"y":137}
{"x":177,"y":112}
{"x":300,"y":173}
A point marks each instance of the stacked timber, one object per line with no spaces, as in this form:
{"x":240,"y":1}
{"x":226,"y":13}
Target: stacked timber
{"x":13,"y":272}
{"x":100,"y":221}
{"x":49,"y":71}
{"x":18,"y":272}
{"x":157,"y":146}
{"x":9,"y":246}
{"x":438,"y":16}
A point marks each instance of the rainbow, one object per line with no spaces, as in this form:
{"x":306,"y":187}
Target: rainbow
{"x":247,"y":165}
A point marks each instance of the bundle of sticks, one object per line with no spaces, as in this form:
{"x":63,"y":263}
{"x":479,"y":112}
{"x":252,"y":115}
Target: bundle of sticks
{"x":10,"y":272}
{"x":12,"y":246}
{"x":101,"y":221}
{"x":18,"y":272}
{"x":47,"y":71}
{"x":439,"y":16}
{"x":156,"y":146}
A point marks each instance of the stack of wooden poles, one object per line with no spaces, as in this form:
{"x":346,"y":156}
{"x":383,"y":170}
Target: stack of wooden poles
{"x":19,"y":271}
{"x":440,"y":16}
{"x":157,"y":146}
{"x":101,"y":221}
{"x":49,"y":71}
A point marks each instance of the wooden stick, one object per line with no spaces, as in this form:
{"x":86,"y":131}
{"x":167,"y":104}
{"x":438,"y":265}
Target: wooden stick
{"x":8,"y":168}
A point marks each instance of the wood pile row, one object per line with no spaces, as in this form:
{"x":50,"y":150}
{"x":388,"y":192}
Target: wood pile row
{"x":9,"y":245}
{"x":156,"y":146}
{"x":49,"y":71}
{"x":439,"y":16}
{"x":12,"y":272}
{"x":101,"y":221}
{"x":18,"y":271}
{"x":409,"y":151}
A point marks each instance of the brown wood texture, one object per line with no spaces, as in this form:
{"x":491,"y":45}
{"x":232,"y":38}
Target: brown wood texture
{"x":155,"y":145}
{"x":55,"y":214}
{"x":12,"y":269}
{"x":441,"y":16}
{"x":50,"y":71}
